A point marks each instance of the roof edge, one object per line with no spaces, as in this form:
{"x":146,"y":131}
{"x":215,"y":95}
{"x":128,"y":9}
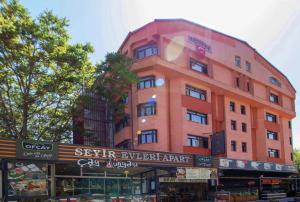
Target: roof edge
{"x":196,"y":24}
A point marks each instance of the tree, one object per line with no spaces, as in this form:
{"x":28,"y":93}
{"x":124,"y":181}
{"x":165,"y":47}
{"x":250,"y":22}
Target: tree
{"x":41,"y":74}
{"x":297,"y":158}
{"x":113,"y":81}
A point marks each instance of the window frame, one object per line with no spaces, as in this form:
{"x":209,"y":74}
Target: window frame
{"x":123,"y":123}
{"x":233,"y":125}
{"x":190,"y":114}
{"x":237,"y":61}
{"x":202,"y":141}
{"x":274,"y":81}
{"x":273,"y":153}
{"x":248,"y":66}
{"x":202,"y":93}
{"x":125,"y":144}
{"x":203,"y":66}
{"x":243,"y":109}
{"x":244,"y":127}
{"x":244,"y":147}
{"x":274,"y":98}
{"x":237,"y":82}
{"x":143,"y":136}
{"x":271,"y":135}
{"x":144,"y":80}
{"x":248,"y":87}
{"x":144,"y":107}
{"x":232,"y":106}
{"x":233,"y":146}
{"x":273,"y":116}
{"x":143,"y":49}
{"x":124,"y":99}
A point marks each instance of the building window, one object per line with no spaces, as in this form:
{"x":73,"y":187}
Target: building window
{"x":232,"y":106}
{"x":248,"y":87}
{"x":124,"y":122}
{"x":272,"y":135}
{"x":292,"y":157}
{"x":244,"y":127}
{"x":274,"y":81}
{"x":196,"y":117}
{"x":237,"y":82}
{"x":195,"y":92}
{"x":146,"y":82}
{"x":146,"y":109}
{"x":271,"y":117}
{"x":147,"y":136}
{"x":290,"y":124}
{"x":244,"y":147}
{"x":124,"y":99}
{"x":273,"y":153}
{"x":146,"y":51}
{"x":233,"y":145}
{"x":243,"y":109}
{"x":248,"y":66}
{"x":197,"y":141}
{"x":198,"y":66}
{"x":126,"y":144}
{"x":291,"y":141}
{"x":237,"y":61}
{"x":233,"y":125}
{"x":274,"y":98}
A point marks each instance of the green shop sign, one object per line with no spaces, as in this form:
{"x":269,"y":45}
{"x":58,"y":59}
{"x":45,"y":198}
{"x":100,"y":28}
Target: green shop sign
{"x":27,"y":149}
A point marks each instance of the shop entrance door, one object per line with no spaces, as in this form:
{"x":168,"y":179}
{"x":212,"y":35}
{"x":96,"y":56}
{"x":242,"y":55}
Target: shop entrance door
{"x":183,"y":192}
{"x":103,"y":183}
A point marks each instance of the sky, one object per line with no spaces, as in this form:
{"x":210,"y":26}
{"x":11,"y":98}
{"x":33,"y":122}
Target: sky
{"x":272,"y":27}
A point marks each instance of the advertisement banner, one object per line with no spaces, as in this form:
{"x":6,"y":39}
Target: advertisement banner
{"x":204,"y":161}
{"x":196,"y":173}
{"x":97,"y":155}
{"x":218,"y":143}
{"x":27,"y":149}
{"x":27,"y":179}
{"x":225,"y":163}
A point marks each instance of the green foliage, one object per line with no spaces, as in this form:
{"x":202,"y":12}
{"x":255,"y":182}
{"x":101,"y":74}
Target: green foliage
{"x":113,"y":81}
{"x":41,"y":74}
{"x":297,"y":158}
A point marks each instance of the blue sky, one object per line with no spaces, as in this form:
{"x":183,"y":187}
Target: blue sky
{"x":270,"y":26}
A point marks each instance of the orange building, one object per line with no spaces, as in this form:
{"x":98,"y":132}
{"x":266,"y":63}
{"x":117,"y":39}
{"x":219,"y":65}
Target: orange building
{"x":196,"y":82}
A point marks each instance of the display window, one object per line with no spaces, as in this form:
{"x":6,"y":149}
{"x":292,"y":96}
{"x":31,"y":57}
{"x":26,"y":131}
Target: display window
{"x":27,"y":179}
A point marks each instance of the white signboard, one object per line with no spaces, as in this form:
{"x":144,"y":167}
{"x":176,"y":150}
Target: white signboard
{"x":197,"y":173}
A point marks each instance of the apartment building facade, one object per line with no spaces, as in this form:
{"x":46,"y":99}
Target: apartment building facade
{"x":196,"y":82}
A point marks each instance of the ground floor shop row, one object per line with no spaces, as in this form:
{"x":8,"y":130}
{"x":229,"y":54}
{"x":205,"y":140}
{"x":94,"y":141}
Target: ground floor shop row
{"x":31,"y":181}
{"x":36,"y":171}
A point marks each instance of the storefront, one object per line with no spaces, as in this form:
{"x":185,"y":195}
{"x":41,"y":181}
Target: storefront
{"x":250,"y":180}
{"x":41,"y":170}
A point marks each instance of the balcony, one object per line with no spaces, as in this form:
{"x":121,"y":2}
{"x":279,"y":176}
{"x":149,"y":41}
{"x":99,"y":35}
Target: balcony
{"x":122,"y":135}
{"x":196,"y":104}
{"x":196,"y":150}
{"x":275,"y":160}
{"x":272,"y":126}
